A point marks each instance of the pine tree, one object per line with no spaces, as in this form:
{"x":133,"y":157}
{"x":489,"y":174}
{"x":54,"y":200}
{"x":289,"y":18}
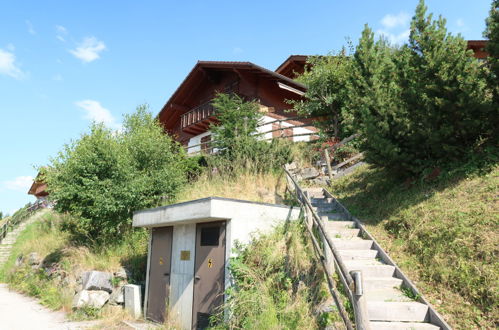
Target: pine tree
{"x":492,"y":33}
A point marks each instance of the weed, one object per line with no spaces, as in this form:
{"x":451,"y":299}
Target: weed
{"x":410,"y":294}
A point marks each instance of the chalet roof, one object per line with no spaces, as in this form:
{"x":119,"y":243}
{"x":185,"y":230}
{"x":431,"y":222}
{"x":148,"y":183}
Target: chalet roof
{"x":227,"y":65}
{"x":294,"y":63}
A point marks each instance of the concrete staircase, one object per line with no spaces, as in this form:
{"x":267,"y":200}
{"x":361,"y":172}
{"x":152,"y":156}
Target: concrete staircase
{"x":388,"y":307}
{"x":11,"y":237}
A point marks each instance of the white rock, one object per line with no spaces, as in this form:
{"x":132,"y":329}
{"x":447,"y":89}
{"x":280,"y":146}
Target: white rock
{"x":95,"y":299}
{"x":95,"y":280}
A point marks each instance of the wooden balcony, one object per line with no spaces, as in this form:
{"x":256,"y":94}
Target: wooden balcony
{"x":197,"y":120}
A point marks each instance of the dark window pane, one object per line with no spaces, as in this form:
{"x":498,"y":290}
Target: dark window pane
{"x":209,"y":236}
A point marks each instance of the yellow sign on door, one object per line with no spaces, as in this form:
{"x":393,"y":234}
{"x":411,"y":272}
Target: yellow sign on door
{"x":210,"y":262}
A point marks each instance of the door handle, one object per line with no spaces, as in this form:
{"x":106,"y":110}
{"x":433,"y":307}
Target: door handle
{"x":197,"y":278}
{"x":166,"y":274}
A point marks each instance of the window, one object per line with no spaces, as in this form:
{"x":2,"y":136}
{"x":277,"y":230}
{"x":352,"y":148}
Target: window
{"x":205,"y":144}
{"x":209,"y":236}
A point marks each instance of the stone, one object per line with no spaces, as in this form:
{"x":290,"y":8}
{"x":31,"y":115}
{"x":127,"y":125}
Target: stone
{"x":117,"y":297}
{"x":95,"y":280}
{"x":33,"y":259}
{"x":95,"y":299}
{"x":309,"y":173}
{"x":121,"y":274}
{"x":132,"y":300}
{"x":19,"y":261}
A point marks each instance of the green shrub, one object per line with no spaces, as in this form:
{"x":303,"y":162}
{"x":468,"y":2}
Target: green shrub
{"x":103,"y":177}
{"x":423,"y":104}
{"x":239,"y":147}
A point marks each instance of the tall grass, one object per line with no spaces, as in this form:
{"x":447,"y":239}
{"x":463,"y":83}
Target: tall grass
{"x":277,"y":284}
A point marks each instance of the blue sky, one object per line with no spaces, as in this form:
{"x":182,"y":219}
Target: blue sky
{"x":66,"y":63}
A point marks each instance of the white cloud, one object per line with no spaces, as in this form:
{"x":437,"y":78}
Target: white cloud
{"x":21,"y":183}
{"x":395,"y":27}
{"x":61,"y":33}
{"x":96,"y":112}
{"x":88,"y":50}
{"x":394,"y":38}
{"x":461,"y":25}
{"x":390,"y":21}
{"x":8,"y":65}
{"x":31,"y":29}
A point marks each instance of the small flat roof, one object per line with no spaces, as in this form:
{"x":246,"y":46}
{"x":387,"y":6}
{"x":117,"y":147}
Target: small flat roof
{"x":205,"y":210}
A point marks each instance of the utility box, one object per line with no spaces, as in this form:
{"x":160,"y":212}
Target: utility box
{"x":131,"y":293}
{"x":189,"y":248}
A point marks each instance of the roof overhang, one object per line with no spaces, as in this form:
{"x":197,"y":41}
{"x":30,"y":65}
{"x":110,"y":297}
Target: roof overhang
{"x":200,"y":70}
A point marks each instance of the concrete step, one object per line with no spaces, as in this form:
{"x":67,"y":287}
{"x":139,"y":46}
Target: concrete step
{"x":315,"y":192}
{"x":340,"y":224}
{"x":346,"y":233}
{"x":370,"y":269}
{"x":378,"y":283}
{"x":331,"y":216}
{"x":397,"y":311}
{"x":376,"y":325}
{"x":352,"y":244}
{"x":387,"y":295}
{"x":358,"y":254}
{"x":320,"y":201}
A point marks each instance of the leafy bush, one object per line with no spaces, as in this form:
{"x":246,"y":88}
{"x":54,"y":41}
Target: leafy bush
{"x":326,"y":78}
{"x":103,"y":177}
{"x":235,"y":138}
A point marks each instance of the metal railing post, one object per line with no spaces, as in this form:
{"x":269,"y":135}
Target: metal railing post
{"x":359,"y":302}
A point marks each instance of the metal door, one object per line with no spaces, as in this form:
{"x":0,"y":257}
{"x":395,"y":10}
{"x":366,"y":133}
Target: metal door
{"x":159,"y":273}
{"x":209,"y":272}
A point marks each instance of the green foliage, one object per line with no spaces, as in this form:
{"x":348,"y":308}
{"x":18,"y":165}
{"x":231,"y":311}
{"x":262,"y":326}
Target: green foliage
{"x":103,"y":177}
{"x":492,"y":33}
{"x":276,"y":283}
{"x":238,"y":145}
{"x":238,"y":121}
{"x":327,"y":92}
{"x":1,"y":215}
{"x":423,"y":104}
{"x":417,"y":107}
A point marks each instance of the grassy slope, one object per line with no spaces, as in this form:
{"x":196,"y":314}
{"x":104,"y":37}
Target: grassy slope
{"x":443,"y":234}
{"x":54,"y":248}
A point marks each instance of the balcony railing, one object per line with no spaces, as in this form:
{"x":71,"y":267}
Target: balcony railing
{"x":197,"y":114}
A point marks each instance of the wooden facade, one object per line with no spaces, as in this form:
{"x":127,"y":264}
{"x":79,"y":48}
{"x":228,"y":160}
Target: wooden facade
{"x":189,"y":113}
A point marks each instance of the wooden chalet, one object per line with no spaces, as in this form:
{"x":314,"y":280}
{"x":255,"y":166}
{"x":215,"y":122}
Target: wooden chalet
{"x":188,"y":114}
{"x":38,"y":188}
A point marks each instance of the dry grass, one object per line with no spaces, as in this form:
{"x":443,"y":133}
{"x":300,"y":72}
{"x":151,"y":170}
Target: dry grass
{"x":265,"y":188}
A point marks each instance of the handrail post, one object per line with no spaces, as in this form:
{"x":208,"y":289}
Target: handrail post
{"x":359,"y":302}
{"x":328,"y":164}
{"x":328,"y":254}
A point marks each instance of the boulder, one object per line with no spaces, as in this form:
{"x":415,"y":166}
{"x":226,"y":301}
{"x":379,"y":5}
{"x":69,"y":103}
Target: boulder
{"x":95,"y":299}
{"x":33,"y":259}
{"x":94,"y":280}
{"x":309,"y":173}
{"x":117,"y":297}
{"x":121,"y":274}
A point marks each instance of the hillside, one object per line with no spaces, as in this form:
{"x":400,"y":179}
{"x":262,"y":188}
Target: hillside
{"x":443,"y":234}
